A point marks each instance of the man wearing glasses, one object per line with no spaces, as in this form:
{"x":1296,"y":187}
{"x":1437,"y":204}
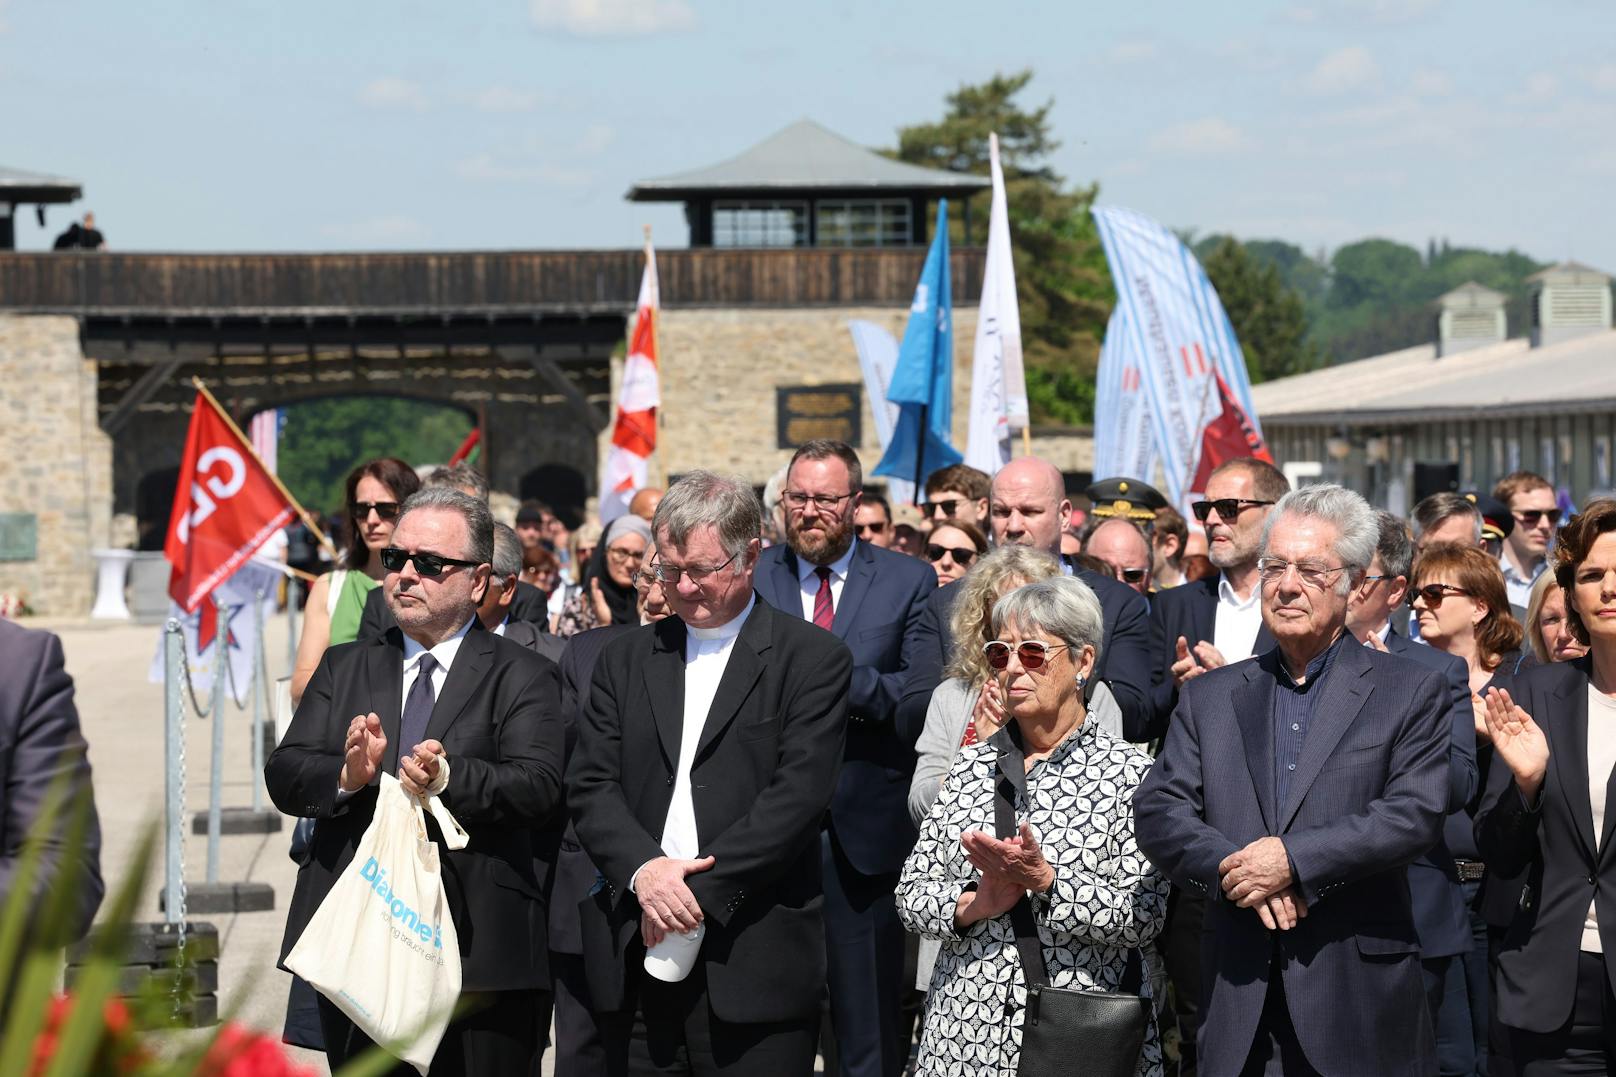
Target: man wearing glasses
{"x":871,"y":599}
{"x":1121,"y":545}
{"x":457,"y":712}
{"x":872,"y":521}
{"x":958,"y":492}
{"x":1531,"y":501}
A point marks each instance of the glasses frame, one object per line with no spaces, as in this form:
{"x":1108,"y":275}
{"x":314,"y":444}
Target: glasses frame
{"x":698,"y":576}
{"x":877,"y":527}
{"x":423,"y":570}
{"x":799,"y":500}
{"x":1530,"y":517}
{"x":970,"y":553}
{"x":1443,"y":590}
{"x":1202,"y":509}
{"x":1312,"y":577}
{"x":360,"y":511}
{"x":1130,"y":575}
{"x":949,"y":505}
{"x":1036,"y":646}
{"x":624,"y":555}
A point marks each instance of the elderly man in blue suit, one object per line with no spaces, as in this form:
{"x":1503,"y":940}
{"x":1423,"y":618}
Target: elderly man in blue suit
{"x":870,"y":598}
{"x":1294,"y":791}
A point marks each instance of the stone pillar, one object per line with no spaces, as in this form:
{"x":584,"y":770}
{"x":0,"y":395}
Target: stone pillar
{"x":56,"y":462}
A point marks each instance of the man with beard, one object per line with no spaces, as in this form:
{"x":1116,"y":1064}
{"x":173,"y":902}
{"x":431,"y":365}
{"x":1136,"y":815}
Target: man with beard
{"x":871,"y":599}
{"x":1203,"y":625}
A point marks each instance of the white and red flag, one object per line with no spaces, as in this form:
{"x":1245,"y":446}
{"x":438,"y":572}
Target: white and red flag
{"x":634,"y":434}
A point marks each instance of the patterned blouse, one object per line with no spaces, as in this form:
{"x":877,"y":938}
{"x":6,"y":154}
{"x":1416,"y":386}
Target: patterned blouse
{"x":1107,"y":898}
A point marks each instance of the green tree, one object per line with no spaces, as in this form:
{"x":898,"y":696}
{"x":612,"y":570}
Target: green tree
{"x":1062,"y":282}
{"x":1269,"y":319}
{"x":323,"y":440}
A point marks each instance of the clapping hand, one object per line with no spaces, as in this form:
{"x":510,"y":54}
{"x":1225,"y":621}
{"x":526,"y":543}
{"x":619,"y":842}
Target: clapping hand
{"x":1018,"y":859}
{"x":988,"y":714}
{"x":1518,"y":741}
{"x":419,"y":770}
{"x":362,"y":752}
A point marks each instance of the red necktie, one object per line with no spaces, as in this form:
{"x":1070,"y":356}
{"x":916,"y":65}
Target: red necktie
{"x":824,"y":613}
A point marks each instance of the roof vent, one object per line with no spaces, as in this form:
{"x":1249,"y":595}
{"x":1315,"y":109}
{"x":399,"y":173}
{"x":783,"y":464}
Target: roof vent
{"x":1568,"y":300}
{"x":1471,"y":316}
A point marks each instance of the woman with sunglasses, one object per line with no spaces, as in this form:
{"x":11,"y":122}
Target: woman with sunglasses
{"x":1548,"y":816}
{"x":951,"y":547}
{"x":1548,"y":629}
{"x":1069,"y":875}
{"x":607,"y":598}
{"x":372,"y":496}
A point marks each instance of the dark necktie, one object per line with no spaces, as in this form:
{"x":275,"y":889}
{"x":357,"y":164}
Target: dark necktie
{"x":824,"y":612}
{"x":417,"y":708}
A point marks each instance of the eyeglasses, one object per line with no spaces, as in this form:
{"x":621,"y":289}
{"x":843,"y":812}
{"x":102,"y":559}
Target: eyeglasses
{"x":650,"y":576}
{"x":428,"y":566}
{"x":621,"y":556}
{"x":1129,"y":575}
{"x":946,"y":507}
{"x":1311,"y":573}
{"x":386,"y":510}
{"x":1033,"y":653}
{"x":670,"y":574}
{"x":1530,"y":517}
{"x":823,"y":502}
{"x":1227,"y":507}
{"x":875,"y":528}
{"x":962,"y":557}
{"x":1434,"y":593}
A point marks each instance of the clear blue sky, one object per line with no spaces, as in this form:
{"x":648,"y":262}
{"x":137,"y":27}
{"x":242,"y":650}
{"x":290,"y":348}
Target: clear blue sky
{"x":355,"y":124}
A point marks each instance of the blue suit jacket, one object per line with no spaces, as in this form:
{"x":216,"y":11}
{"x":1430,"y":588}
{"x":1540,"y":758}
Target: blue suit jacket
{"x":882,"y":599}
{"x":1368,"y":797}
{"x":1189,"y":610}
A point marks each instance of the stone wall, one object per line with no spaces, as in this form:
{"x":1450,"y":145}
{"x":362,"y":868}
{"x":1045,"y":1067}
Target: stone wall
{"x":56,"y":462}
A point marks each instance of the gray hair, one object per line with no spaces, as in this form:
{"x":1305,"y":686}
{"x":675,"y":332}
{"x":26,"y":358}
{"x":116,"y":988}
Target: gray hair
{"x":1395,"y":548}
{"x":972,"y":620}
{"x":507,"y":560}
{"x":460,"y":477}
{"x":1357,"y":533}
{"x":479,"y":521}
{"x":1063,"y":606}
{"x":707,"y":499}
{"x":1440,"y":507}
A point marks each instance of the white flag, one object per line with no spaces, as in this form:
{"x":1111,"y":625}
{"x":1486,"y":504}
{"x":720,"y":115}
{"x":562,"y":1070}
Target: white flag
{"x":878,"y":357}
{"x":998,"y":381}
{"x":1124,"y":440}
{"x":626,"y":468}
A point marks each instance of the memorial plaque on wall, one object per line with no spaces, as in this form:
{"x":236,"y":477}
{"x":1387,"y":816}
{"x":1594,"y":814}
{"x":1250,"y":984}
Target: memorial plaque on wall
{"x":19,"y":536}
{"x":807,"y":412}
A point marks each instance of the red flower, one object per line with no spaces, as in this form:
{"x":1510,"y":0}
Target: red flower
{"x":242,"y":1052}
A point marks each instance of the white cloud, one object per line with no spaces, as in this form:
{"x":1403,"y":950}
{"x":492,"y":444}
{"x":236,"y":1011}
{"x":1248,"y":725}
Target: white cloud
{"x":486,"y":168}
{"x":1539,"y":88}
{"x":1604,"y":78}
{"x":392,"y":92}
{"x":1133,"y":52}
{"x":1357,"y":12}
{"x":381,"y":231}
{"x":594,"y":140}
{"x":506,"y":99}
{"x":613,"y":18}
{"x":1204,"y":137}
{"x":1430,"y":82}
{"x":1345,"y":70}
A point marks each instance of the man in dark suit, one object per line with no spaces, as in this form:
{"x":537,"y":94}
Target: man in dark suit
{"x":706,"y":757}
{"x":1030,"y":508}
{"x":438,"y":688}
{"x":494,"y":611}
{"x":41,"y":743}
{"x":871,"y":600}
{"x":1293,"y":791}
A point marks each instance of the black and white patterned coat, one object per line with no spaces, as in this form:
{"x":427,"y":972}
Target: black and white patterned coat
{"x":1106,"y":899}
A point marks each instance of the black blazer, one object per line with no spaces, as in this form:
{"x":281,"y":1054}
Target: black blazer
{"x":499,"y":718}
{"x":1189,"y":610}
{"x":1368,"y":796}
{"x":764,"y":771}
{"x":528,"y":604}
{"x":535,"y":638}
{"x":1552,"y":845}
{"x":883,"y":597}
{"x":1126,"y":665}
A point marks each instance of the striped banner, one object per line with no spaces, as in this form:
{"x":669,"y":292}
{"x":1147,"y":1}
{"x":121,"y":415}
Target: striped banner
{"x":1173,"y":330}
{"x":264,"y":431}
{"x":1124,"y":443}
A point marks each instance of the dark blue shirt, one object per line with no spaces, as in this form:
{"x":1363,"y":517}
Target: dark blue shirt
{"x":1294,"y":705}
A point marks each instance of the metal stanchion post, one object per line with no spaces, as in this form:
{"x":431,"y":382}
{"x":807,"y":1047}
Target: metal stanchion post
{"x":291,"y":625}
{"x":258,"y":687}
{"x":221,"y":674}
{"x":173,"y":736}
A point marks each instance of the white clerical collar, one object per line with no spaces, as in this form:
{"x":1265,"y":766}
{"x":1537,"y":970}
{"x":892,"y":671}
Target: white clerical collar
{"x":444,"y":652}
{"x":1227,"y":596}
{"x":729,"y":629}
{"x":838,"y":567}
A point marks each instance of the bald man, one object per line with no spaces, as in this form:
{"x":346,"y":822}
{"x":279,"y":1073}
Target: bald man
{"x":644,"y":502}
{"x":1120,"y":544}
{"x":1029,"y":507}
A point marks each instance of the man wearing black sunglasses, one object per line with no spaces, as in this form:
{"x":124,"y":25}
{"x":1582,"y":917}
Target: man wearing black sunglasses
{"x":1531,"y":501}
{"x":457,"y":712}
{"x":1119,"y":543}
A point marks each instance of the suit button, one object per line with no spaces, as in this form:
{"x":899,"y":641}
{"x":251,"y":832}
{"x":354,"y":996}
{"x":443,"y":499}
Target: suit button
{"x":1593,"y":880}
{"x":670,"y":779}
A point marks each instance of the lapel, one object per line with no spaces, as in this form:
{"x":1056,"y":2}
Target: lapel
{"x":470,"y":670}
{"x":741,"y":672}
{"x":1253,"y":711}
{"x":384,"y":671}
{"x":783,"y":582}
{"x":860,"y":577}
{"x":1345,"y":691}
{"x":1568,"y":750}
{"x":664,"y":675}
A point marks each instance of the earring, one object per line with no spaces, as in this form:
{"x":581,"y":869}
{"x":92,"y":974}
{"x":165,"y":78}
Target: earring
{"x":1080,"y":680}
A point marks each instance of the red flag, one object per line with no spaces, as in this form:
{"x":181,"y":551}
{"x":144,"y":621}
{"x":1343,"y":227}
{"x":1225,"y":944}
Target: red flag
{"x":225,"y":508}
{"x":466,"y":446}
{"x":1229,"y":435}
{"x":626,"y":467}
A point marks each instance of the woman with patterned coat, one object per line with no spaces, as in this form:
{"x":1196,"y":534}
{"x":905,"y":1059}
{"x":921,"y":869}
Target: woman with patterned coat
{"x":1094,"y":896}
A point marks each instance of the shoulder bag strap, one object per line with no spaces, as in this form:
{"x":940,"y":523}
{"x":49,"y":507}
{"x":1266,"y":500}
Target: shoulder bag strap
{"x":333,"y":592}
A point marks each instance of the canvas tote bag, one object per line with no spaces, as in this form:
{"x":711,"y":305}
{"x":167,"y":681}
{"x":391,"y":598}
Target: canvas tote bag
{"x":382,"y":946}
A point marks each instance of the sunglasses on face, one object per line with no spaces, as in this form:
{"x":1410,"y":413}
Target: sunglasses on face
{"x":428,"y":566}
{"x":1531,"y":517}
{"x":962,"y":557}
{"x":386,"y":510}
{"x":1434,"y":593}
{"x":1227,"y":507}
{"x":946,"y":507}
{"x":1129,"y":575}
{"x":1033,"y":653}
{"x":875,"y":529}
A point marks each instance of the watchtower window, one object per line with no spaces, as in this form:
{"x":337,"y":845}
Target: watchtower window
{"x":882,"y":222}
{"x":760,"y":224}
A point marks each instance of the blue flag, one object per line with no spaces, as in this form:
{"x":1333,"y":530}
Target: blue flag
{"x":923,"y":382}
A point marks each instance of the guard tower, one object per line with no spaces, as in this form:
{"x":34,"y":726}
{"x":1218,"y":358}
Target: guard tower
{"x":19,"y":188}
{"x":808,"y":187}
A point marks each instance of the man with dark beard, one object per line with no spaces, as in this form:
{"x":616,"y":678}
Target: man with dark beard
{"x":871,"y":599}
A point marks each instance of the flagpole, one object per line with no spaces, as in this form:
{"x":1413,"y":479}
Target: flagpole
{"x":1026,"y":441}
{"x":656,"y":346}
{"x":308,"y":521}
{"x":920,"y":454}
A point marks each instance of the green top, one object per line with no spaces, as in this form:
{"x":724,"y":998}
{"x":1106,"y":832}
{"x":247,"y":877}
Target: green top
{"x":345,"y":615}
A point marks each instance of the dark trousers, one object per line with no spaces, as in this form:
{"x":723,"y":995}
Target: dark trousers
{"x":671,"y":1029}
{"x":864,"y":959}
{"x":579,"y":1050}
{"x":1276,"y":1052}
{"x":1448,"y":999}
{"x":1586,"y":1044}
{"x":1180,"y":947}
{"x":499,"y":1036}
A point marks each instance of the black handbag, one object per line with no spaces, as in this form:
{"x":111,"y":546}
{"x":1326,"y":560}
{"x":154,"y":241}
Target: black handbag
{"x":1066,"y":1030}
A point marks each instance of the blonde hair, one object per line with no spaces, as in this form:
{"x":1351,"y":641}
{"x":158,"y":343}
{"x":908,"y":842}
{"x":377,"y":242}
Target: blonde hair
{"x":1001,"y":571}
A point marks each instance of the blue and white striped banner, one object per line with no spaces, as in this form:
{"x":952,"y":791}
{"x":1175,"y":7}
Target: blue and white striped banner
{"x":1124,"y":442}
{"x":1173,"y":330}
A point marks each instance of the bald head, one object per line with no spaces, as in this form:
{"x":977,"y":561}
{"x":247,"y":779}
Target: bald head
{"x":1121,"y":545}
{"x":643,"y":504}
{"x":1029,"y":505}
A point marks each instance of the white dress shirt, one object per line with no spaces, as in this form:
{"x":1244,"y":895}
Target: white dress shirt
{"x":1517,"y":586}
{"x":1601,"y":760}
{"x":808,"y":579}
{"x":1234,"y":631}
